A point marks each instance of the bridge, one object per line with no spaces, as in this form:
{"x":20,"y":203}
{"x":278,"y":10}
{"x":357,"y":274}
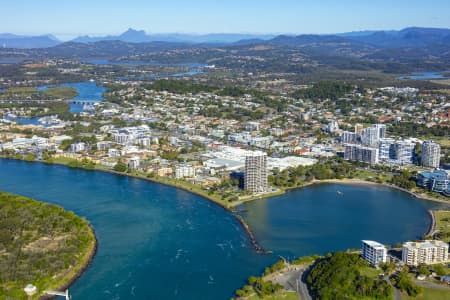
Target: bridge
{"x":57,"y":293}
{"x":83,"y":102}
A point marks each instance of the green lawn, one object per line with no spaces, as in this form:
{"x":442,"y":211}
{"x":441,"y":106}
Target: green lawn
{"x":283,"y":295}
{"x":431,"y":294}
{"x":61,"y":93}
{"x":443,"y":222}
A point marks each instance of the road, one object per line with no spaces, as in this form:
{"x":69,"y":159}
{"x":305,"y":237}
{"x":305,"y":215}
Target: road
{"x":303,"y":288}
{"x":397,"y":293}
{"x":432,"y":285}
{"x":291,"y":280}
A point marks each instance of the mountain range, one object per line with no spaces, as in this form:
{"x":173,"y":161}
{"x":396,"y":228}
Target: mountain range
{"x":8,"y":40}
{"x":413,"y":37}
{"x":139,"y":36}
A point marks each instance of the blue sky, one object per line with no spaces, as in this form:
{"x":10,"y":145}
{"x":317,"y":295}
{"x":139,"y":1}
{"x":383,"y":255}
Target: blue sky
{"x":67,"y":19}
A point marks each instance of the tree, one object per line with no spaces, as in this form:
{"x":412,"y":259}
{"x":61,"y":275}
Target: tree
{"x":424,"y":270}
{"x":120,"y":167}
{"x":387,"y":267}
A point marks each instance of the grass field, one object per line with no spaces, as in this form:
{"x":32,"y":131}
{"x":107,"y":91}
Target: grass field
{"x":283,"y":295}
{"x":443,"y":224}
{"x":52,"y":93}
{"x":431,"y":294}
{"x":61,"y":93}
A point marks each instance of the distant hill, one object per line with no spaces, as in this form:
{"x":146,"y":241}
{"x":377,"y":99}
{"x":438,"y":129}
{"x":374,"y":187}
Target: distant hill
{"x":139,"y":36}
{"x":413,"y":37}
{"x":8,"y":40}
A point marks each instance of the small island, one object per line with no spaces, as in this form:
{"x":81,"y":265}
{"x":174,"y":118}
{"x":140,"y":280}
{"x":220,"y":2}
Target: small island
{"x":40,"y":244}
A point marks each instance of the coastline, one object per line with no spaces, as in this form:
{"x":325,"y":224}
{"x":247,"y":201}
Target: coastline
{"x":232,"y":207}
{"x":89,"y":258}
{"x":365,"y":182}
{"x":433,"y":223}
{"x":83,"y":259}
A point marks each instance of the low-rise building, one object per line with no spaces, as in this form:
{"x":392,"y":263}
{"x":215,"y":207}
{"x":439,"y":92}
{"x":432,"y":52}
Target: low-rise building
{"x":436,"y":181}
{"x":425,"y":252}
{"x":373,"y":252}
{"x":78,"y":147}
{"x":183,"y":171}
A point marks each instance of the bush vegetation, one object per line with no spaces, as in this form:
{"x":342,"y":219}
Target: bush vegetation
{"x":339,"y":276}
{"x":40,"y":244}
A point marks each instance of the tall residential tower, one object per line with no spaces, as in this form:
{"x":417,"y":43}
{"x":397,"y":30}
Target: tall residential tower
{"x":431,"y":154}
{"x":256,"y":179}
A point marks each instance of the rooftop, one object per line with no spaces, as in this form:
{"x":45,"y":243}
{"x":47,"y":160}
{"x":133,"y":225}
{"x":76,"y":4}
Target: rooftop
{"x":425,"y":244}
{"x":373,"y":244}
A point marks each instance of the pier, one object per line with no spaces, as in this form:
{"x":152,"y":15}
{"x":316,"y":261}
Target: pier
{"x":57,"y":293}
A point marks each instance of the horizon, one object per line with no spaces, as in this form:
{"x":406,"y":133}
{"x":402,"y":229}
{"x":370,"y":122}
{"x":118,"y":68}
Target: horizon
{"x":209,"y":33}
{"x":200,"y":17}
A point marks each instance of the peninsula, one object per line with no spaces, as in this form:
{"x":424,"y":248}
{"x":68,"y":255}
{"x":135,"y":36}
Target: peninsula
{"x":40,"y":244}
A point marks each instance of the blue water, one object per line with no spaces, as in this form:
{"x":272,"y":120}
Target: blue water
{"x":317,"y":219}
{"x":86,"y":91}
{"x":28,"y":121}
{"x":157,"y":242}
{"x":424,"y":76}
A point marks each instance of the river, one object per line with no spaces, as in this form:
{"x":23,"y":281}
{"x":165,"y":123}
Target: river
{"x":158,"y":242}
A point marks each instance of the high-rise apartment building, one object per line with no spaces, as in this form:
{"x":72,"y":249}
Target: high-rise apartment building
{"x":370,"y":136}
{"x":431,"y":154}
{"x":404,"y":151}
{"x":256,"y":179}
{"x":361,"y":153}
{"x":387,"y":149}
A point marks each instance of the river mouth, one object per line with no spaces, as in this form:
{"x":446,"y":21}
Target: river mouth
{"x":158,"y":242}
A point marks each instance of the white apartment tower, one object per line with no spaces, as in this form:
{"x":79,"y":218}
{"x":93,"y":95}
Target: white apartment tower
{"x":256,"y":172}
{"x":426,"y":252}
{"x":374,"y":253}
{"x":431,"y":154}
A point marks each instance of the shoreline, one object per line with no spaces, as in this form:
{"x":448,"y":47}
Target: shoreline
{"x":232,"y":208}
{"x":80,"y":272}
{"x":365,"y":182}
{"x":432,"y":228}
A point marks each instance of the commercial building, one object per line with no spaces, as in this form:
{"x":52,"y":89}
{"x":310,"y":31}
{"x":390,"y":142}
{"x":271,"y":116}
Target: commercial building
{"x":256,"y":179}
{"x":374,"y":252}
{"x":431,"y":154}
{"x":425,"y":252}
{"x":436,"y":181}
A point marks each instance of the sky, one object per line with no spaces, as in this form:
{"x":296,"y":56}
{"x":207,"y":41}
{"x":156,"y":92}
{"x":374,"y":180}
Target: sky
{"x":68,"y":19}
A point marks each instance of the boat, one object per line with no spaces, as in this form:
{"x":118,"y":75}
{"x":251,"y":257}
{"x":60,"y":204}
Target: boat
{"x":340,"y":193}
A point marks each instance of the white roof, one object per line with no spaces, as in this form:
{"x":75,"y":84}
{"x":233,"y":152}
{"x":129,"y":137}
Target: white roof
{"x":373,"y":244}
